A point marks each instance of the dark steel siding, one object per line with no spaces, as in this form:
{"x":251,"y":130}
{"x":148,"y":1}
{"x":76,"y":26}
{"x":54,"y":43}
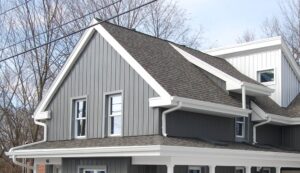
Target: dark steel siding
{"x":101,"y":69}
{"x":269,"y":134}
{"x":291,"y":137}
{"x":188,"y":124}
{"x":113,"y":165}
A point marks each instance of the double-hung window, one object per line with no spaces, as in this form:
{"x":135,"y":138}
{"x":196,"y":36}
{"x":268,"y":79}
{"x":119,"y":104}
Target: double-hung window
{"x":240,"y":128}
{"x":80,"y":118}
{"x":115,"y":115}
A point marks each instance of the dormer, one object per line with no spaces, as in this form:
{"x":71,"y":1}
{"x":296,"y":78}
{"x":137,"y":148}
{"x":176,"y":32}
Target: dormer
{"x":268,"y":61}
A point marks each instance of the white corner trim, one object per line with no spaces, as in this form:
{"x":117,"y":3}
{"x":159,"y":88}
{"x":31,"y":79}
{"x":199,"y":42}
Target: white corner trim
{"x":80,"y":47}
{"x":258,"y":44}
{"x":231,"y":82}
{"x":200,"y":106}
{"x":278,"y":119}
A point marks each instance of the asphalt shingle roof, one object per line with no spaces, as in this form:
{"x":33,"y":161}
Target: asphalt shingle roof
{"x":171,"y":70}
{"x":149,"y":140}
{"x":269,"y":106}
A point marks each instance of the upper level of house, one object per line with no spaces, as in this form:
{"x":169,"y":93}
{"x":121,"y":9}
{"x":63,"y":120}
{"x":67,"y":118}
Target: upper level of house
{"x":118,"y":83}
{"x":268,"y":61}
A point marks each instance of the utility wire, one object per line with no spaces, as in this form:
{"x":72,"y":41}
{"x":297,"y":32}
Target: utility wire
{"x":41,"y":33}
{"x":78,"y":31}
{"x":13,"y":8}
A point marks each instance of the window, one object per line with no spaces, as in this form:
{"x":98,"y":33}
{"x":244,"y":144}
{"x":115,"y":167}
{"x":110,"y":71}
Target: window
{"x":266,"y":170}
{"x":80,"y":118}
{"x":239,"y":170}
{"x":240,"y":127}
{"x":115,"y":108}
{"x":266,"y":76}
{"x":194,"y":169}
{"x":93,"y":171}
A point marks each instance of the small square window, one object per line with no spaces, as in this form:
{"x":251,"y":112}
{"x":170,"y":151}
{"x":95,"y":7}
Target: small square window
{"x":266,"y":76}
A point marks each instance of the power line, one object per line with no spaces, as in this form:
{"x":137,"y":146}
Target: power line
{"x":78,"y":31}
{"x":41,"y":33}
{"x":15,"y":7}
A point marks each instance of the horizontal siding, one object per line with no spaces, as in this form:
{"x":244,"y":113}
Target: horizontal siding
{"x":195,"y":125}
{"x":269,"y":135}
{"x":98,"y":70}
{"x":113,"y":165}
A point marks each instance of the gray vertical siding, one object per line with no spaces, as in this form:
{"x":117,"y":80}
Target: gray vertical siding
{"x":195,"y":125}
{"x":270,"y":135}
{"x":113,"y":165}
{"x":98,"y":70}
{"x":291,"y":137}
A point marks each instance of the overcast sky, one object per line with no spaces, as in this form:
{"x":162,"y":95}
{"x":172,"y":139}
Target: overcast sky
{"x":224,"y":20}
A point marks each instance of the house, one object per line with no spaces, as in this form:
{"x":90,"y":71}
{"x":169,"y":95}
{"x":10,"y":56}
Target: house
{"x":126,"y":102}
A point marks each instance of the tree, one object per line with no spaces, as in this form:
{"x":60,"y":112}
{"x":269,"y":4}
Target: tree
{"x":247,"y":36}
{"x":286,"y":25}
{"x":25,"y":79}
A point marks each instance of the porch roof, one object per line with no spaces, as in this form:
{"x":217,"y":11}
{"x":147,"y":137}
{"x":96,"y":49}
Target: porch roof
{"x":151,"y":141}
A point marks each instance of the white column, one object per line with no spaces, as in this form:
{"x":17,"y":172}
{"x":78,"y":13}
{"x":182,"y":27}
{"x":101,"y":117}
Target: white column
{"x":212,"y":168}
{"x":170,"y":168}
{"x":244,"y":97}
{"x":247,"y":169}
{"x":278,"y":169}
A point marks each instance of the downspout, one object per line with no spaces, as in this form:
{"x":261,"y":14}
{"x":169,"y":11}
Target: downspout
{"x":257,"y":125}
{"x":244,"y":97}
{"x":27,"y":145}
{"x":164,"y":118}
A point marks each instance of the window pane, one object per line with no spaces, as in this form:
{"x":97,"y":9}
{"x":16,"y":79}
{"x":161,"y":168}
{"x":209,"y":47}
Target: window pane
{"x":81,"y":109}
{"x":116,"y":99}
{"x":116,"y":125}
{"x":116,"y":108}
{"x":239,"y":129}
{"x":100,"y":171}
{"x":267,"y":76}
{"x":81,"y":127}
{"x":240,"y":119}
{"x":88,"y":171}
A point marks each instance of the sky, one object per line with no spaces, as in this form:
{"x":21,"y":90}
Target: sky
{"x":223,"y":21}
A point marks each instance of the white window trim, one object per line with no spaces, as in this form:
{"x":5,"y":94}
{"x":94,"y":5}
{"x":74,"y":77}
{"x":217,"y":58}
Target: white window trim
{"x":76,"y":119}
{"x":240,"y":168}
{"x":198,"y":168}
{"x":93,"y":170}
{"x":108,"y":107}
{"x":266,"y":69}
{"x":243,"y":127}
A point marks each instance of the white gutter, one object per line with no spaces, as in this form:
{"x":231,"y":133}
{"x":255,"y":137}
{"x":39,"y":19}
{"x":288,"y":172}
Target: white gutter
{"x":27,"y":145}
{"x":164,"y":117}
{"x":269,"y":119}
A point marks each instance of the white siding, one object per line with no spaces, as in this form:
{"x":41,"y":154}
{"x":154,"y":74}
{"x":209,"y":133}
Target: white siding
{"x":249,"y":63}
{"x":290,"y":83}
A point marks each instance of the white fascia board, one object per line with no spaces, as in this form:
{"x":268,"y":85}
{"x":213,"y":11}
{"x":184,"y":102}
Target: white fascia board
{"x":80,"y":47}
{"x":231,"y":82}
{"x":229,"y":157}
{"x":276,"y":119}
{"x":258,"y":89}
{"x":200,"y":106}
{"x":173,"y":155}
{"x":253,"y":45}
{"x":124,"y":151}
